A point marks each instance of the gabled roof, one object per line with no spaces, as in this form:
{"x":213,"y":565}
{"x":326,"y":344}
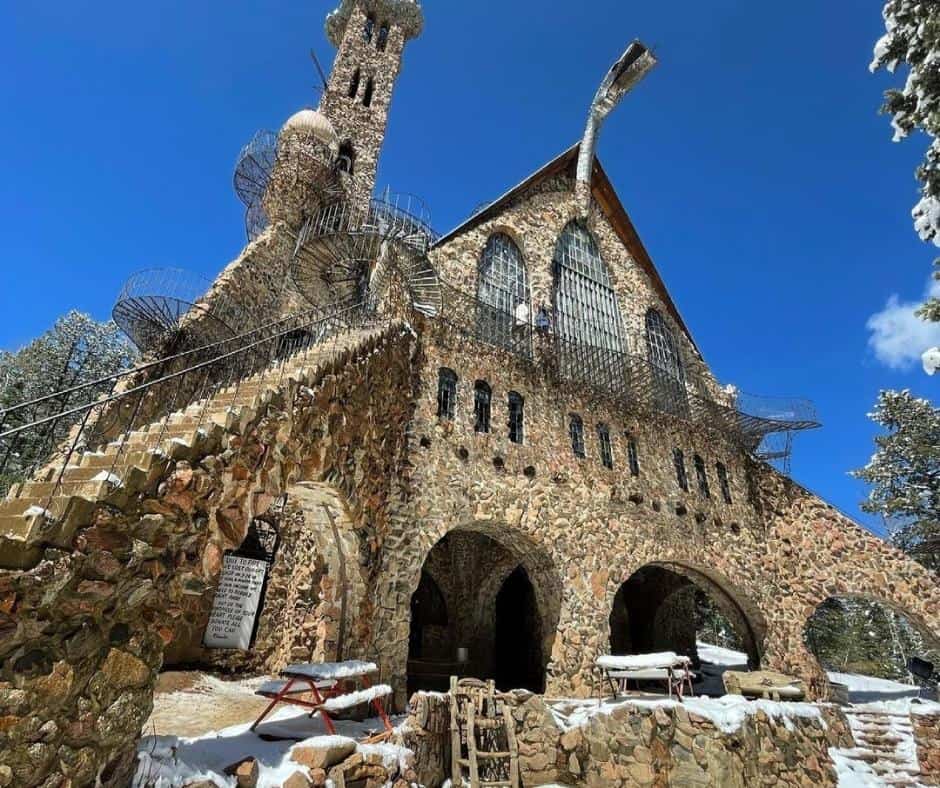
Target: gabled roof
{"x":609,"y":203}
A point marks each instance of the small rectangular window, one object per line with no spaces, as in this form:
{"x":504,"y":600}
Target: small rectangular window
{"x":701,"y":476}
{"x":482,"y":400}
{"x":633,"y":457}
{"x":723,"y":482}
{"x":678,"y":459}
{"x":603,"y":439}
{"x":516,"y":417}
{"x":446,"y":393}
{"x":576,"y":431}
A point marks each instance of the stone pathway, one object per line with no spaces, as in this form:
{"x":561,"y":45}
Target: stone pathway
{"x":885,"y":752}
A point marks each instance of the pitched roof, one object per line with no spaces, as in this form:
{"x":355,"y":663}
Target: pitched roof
{"x":606,"y":197}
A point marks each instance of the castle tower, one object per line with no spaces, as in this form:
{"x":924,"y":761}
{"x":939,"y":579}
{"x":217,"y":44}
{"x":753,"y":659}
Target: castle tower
{"x":370,"y":36}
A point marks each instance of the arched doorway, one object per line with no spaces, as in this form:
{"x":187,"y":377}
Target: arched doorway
{"x":856,"y":638}
{"x":669,"y":607}
{"x":486,"y":605}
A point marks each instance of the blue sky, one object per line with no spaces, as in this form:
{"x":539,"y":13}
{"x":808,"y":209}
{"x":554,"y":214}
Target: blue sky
{"x":752,"y":162}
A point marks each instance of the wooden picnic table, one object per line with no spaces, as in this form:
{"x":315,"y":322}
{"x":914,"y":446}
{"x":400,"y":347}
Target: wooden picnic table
{"x":665,"y":666}
{"x":325,"y":687}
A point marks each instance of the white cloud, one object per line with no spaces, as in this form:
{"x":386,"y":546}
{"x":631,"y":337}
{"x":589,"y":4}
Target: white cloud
{"x":898,"y":337}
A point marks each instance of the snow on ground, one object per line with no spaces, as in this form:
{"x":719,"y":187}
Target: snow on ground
{"x":727,"y":713}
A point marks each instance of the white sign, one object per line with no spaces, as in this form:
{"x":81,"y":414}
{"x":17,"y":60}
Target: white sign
{"x":236,"y":603}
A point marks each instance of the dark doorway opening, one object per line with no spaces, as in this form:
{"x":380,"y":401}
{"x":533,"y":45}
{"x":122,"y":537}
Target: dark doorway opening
{"x":518,"y":643}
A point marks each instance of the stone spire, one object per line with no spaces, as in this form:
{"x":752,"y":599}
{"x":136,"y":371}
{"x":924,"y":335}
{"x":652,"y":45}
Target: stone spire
{"x":370,"y":36}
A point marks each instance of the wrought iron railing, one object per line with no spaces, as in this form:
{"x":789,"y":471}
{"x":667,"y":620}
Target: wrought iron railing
{"x":111,"y":408}
{"x":623,"y":375}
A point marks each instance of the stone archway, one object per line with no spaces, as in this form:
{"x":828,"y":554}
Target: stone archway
{"x":653,"y":611}
{"x":502,"y":597}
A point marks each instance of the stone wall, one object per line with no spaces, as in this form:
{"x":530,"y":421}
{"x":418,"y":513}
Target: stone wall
{"x":82,"y":634}
{"x":637,"y":744}
{"x":927,"y":737}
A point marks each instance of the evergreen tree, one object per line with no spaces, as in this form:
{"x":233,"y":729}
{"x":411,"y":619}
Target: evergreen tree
{"x":905,"y":473}
{"x":77,"y":350}
{"x":912,"y":38}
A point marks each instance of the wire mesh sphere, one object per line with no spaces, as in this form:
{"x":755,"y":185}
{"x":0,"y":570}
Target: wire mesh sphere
{"x":254,"y":166}
{"x":153,"y":306}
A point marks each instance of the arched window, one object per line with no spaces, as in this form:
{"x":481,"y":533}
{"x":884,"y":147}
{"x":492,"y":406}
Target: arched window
{"x":368,"y":28}
{"x":678,"y":459}
{"x":482,"y":403}
{"x":668,"y":377}
{"x":346,"y":158}
{"x":367,"y":95}
{"x":587,"y":315}
{"x":446,"y":393}
{"x":354,"y":84}
{"x":723,"y":481}
{"x":382,"y":41}
{"x":516,"y":417}
{"x":502,"y":286}
{"x":576,"y":431}
{"x":603,"y":440}
{"x":633,"y":456}
{"x":701,"y":475}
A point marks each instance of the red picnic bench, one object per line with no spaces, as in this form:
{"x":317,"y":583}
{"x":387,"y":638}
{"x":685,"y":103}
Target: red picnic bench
{"x":324,"y":687}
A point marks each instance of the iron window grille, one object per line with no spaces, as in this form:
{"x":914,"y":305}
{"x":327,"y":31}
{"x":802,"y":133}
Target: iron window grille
{"x":678,"y":459}
{"x":633,"y":457}
{"x":586,"y":309}
{"x":603,"y":439}
{"x":668,"y":376}
{"x":446,"y":393}
{"x":502,"y":285}
{"x":701,"y":476}
{"x":516,"y":417}
{"x":723,"y":481}
{"x":576,"y":431}
{"x":482,"y":402}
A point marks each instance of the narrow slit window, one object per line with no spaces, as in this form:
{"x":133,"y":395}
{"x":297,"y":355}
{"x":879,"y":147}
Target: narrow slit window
{"x":607,"y":452}
{"x":633,"y":456}
{"x":516,"y":417}
{"x":446,"y":393}
{"x":576,"y":431}
{"x":723,"y":481}
{"x":354,"y":84}
{"x":368,"y":28}
{"x":701,"y":476}
{"x":346,"y":158}
{"x":678,"y":459}
{"x":482,"y":401}
{"x":382,"y":41}
{"x":367,"y":95}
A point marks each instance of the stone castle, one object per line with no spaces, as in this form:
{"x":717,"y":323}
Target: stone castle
{"x":498,"y":452}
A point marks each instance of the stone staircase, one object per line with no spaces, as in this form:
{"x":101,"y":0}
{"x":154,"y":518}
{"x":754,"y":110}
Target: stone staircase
{"x":46,"y":511}
{"x":885,"y":752}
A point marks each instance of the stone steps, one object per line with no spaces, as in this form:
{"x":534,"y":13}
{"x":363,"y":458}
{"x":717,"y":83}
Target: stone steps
{"x":47,"y":509}
{"x":884,"y":741}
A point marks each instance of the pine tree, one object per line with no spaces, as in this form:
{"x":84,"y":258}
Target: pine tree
{"x":905,"y":473}
{"x":76,"y":351}
{"x":912,"y":38}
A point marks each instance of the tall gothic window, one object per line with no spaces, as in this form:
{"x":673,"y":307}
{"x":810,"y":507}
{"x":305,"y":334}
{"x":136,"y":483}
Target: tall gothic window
{"x":576,"y":431}
{"x":382,"y":41}
{"x":723,"y":481}
{"x":516,"y":417}
{"x":603,"y":440}
{"x":633,"y":456}
{"x":446,"y":393}
{"x":668,"y":377}
{"x":482,"y":401}
{"x":503,"y":295}
{"x":367,"y":95}
{"x":587,"y":315}
{"x":368,"y":28}
{"x":678,"y":459}
{"x":701,"y":476}
{"x":354,"y":83}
